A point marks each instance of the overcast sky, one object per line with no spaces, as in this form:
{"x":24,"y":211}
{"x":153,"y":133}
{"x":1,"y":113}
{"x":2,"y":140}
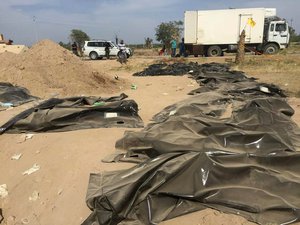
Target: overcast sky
{"x":26,"y":21}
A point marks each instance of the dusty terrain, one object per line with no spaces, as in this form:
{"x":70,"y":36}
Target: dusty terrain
{"x":48,"y":69}
{"x":66,"y":159}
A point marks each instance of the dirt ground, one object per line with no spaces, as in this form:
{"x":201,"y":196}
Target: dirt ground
{"x":66,"y":159}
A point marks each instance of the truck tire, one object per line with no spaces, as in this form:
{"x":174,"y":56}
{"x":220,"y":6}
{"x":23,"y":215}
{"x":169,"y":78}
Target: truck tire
{"x":93,"y":55}
{"x":214,"y":51}
{"x":271,"y":49}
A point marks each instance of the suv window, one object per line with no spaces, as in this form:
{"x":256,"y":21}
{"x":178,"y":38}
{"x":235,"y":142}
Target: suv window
{"x":95,"y":44}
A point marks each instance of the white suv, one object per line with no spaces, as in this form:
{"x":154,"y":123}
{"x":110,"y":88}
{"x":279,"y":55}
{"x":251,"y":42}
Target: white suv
{"x":96,"y":49}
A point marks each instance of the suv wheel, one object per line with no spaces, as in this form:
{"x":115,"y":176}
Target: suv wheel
{"x":93,"y":55}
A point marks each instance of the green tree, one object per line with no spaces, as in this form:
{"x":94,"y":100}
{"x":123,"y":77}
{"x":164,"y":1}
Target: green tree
{"x":294,"y":37}
{"x":79,"y":37}
{"x":165,"y":32}
{"x":65,"y":45}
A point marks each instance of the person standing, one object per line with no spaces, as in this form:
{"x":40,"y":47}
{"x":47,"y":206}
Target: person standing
{"x":173,"y":47}
{"x":74,"y":48}
{"x":122,"y":53}
{"x":107,"y":49}
{"x":182,"y":48}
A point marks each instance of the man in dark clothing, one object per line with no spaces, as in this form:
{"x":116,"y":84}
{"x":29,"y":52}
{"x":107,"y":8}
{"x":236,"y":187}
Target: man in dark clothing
{"x":74,"y":48}
{"x":107,"y":49}
{"x":182,"y":48}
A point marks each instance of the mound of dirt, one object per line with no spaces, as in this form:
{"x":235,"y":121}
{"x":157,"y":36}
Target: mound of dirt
{"x":48,"y":68}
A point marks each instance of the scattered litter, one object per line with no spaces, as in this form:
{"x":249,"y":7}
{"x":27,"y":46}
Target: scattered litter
{"x":191,"y":85}
{"x":99,"y":104}
{"x":33,"y":169}
{"x":172,"y":113}
{"x":179,"y":89}
{"x":165,"y":93}
{"x":286,"y":84}
{"x":116,"y":77}
{"x":25,"y":221}
{"x":3,"y":191}
{"x":149,"y":84}
{"x":35,"y":196}
{"x":6,"y":104}
{"x":37,"y":152}
{"x":59,"y":191}
{"x":25,"y":137}
{"x":16,"y":156}
{"x":191,"y":71}
{"x":264,"y":89}
{"x":133,"y":87}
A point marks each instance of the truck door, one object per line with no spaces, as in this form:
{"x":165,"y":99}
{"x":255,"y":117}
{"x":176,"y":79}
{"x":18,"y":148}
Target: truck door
{"x":244,"y":25}
{"x":279,"y":33}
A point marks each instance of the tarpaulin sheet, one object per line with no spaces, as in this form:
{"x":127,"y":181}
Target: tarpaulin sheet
{"x":14,"y":95}
{"x":194,"y":157}
{"x":75,"y":113}
{"x":178,"y":69}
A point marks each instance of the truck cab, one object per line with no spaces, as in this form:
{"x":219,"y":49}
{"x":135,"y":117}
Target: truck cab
{"x":278,"y":37}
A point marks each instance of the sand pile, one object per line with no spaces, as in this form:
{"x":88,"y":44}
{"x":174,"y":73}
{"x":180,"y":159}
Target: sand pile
{"x":47,"y":68}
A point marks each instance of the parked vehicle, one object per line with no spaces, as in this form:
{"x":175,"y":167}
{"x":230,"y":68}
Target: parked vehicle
{"x":213,"y":32}
{"x":96,"y":49}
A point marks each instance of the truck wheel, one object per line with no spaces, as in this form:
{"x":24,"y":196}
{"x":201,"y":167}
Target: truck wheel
{"x":271,"y":49}
{"x":93,"y":55}
{"x":214,"y":51}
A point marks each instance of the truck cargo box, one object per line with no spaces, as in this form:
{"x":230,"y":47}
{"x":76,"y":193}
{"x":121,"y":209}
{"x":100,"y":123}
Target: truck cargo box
{"x":217,"y":27}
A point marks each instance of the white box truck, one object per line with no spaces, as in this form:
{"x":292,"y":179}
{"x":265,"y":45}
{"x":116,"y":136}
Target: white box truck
{"x":213,"y":32}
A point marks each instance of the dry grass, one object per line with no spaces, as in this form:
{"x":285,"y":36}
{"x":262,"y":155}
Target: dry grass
{"x":146,"y":52}
{"x":282,"y":69}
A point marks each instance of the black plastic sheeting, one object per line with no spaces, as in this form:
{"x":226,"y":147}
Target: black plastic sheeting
{"x":74,"y":113}
{"x":1,"y":216}
{"x":195,"y":156}
{"x":14,"y":95}
{"x":178,"y":69}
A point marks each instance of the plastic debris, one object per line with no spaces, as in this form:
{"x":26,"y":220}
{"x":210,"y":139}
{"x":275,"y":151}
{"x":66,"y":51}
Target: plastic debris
{"x":99,"y":103}
{"x":16,"y":156}
{"x":133,"y":87}
{"x":33,"y":169}
{"x":6,"y":104}
{"x":264,"y":89}
{"x":25,"y":137}
{"x":35,"y":196}
{"x":59,"y":191}
{"x":3,"y":191}
{"x":25,"y":221}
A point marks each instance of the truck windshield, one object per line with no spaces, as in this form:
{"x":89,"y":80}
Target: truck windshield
{"x":280,"y":27}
